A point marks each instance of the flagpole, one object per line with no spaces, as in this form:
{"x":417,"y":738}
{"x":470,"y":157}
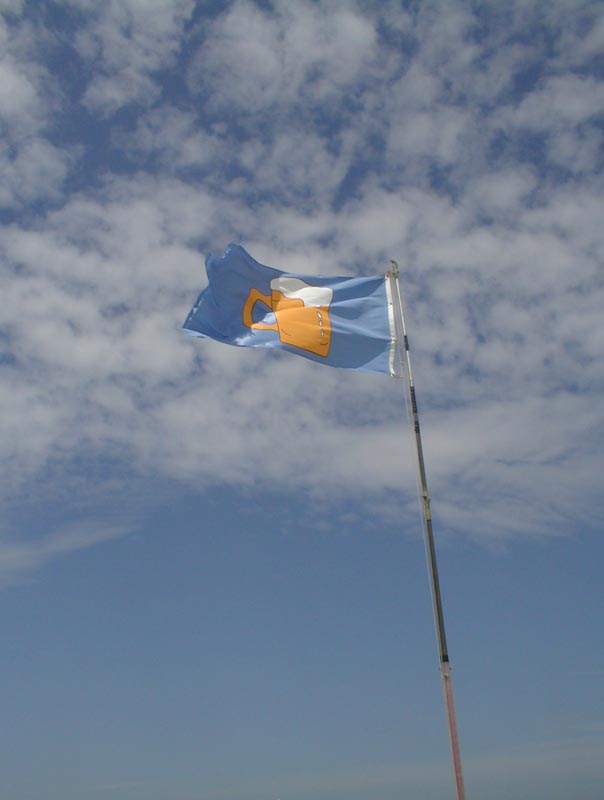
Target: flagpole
{"x":445,"y":666}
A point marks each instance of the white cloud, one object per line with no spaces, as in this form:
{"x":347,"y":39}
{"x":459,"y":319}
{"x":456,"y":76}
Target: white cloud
{"x":31,"y":167}
{"x":326,"y":147}
{"x":17,"y":93}
{"x":28,"y":93}
{"x":252,"y":60}
{"x":440,"y":136}
{"x":499,"y":192}
{"x":37,"y":171}
{"x":581,"y":35}
{"x":128,"y":41}
{"x":174,"y":137}
{"x":20,"y":558}
{"x":12,"y":6}
{"x":570,"y":99}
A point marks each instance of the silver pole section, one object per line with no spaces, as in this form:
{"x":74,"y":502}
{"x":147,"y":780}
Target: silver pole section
{"x":445,"y":666}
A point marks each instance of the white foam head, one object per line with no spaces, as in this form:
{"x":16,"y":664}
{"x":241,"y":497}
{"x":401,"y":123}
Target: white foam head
{"x":296,"y":289}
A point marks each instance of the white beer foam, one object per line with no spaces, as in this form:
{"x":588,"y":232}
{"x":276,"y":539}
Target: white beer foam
{"x":296,"y":289}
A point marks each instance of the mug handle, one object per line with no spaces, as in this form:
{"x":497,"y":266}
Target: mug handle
{"x":257,"y":297}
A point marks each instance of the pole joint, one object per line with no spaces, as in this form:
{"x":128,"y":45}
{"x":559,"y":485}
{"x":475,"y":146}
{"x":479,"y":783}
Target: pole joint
{"x":426,"y":502}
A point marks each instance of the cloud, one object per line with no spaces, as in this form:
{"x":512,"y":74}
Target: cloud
{"x":328,"y":138}
{"x":12,"y":6}
{"x":37,"y":171}
{"x":17,"y":92}
{"x":128,"y":41}
{"x":560,"y":104}
{"x":254,"y":60}
{"x":32,"y":168}
{"x":19,"y":558}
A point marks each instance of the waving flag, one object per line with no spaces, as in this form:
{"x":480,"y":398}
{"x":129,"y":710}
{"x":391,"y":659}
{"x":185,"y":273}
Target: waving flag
{"x":341,"y":322}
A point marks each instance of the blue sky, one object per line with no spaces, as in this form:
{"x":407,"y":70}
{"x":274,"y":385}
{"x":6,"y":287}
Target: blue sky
{"x":212,"y":576}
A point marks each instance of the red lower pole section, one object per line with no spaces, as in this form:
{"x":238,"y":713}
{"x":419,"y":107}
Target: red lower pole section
{"x":448,"y":690}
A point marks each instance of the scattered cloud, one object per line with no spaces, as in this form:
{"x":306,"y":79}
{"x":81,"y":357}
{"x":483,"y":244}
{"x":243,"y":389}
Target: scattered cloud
{"x":328,"y":138}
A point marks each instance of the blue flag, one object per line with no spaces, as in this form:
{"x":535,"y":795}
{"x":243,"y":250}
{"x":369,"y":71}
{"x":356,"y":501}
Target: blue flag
{"x":342,"y":322}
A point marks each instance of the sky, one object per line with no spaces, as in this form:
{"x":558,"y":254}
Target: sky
{"x":212,"y":576}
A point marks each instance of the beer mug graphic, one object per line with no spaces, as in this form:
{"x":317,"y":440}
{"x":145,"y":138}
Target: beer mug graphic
{"x":301,"y":313}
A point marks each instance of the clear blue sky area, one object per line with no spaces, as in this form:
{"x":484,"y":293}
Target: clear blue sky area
{"x":212,"y":576}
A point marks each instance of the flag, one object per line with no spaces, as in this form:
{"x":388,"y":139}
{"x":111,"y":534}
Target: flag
{"x":341,"y":322}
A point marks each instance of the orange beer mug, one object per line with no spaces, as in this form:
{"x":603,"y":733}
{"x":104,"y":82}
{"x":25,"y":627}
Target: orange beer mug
{"x":301,"y":313}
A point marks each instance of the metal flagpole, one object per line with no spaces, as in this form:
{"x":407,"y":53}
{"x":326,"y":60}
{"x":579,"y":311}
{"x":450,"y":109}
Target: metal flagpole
{"x":445,"y":666}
